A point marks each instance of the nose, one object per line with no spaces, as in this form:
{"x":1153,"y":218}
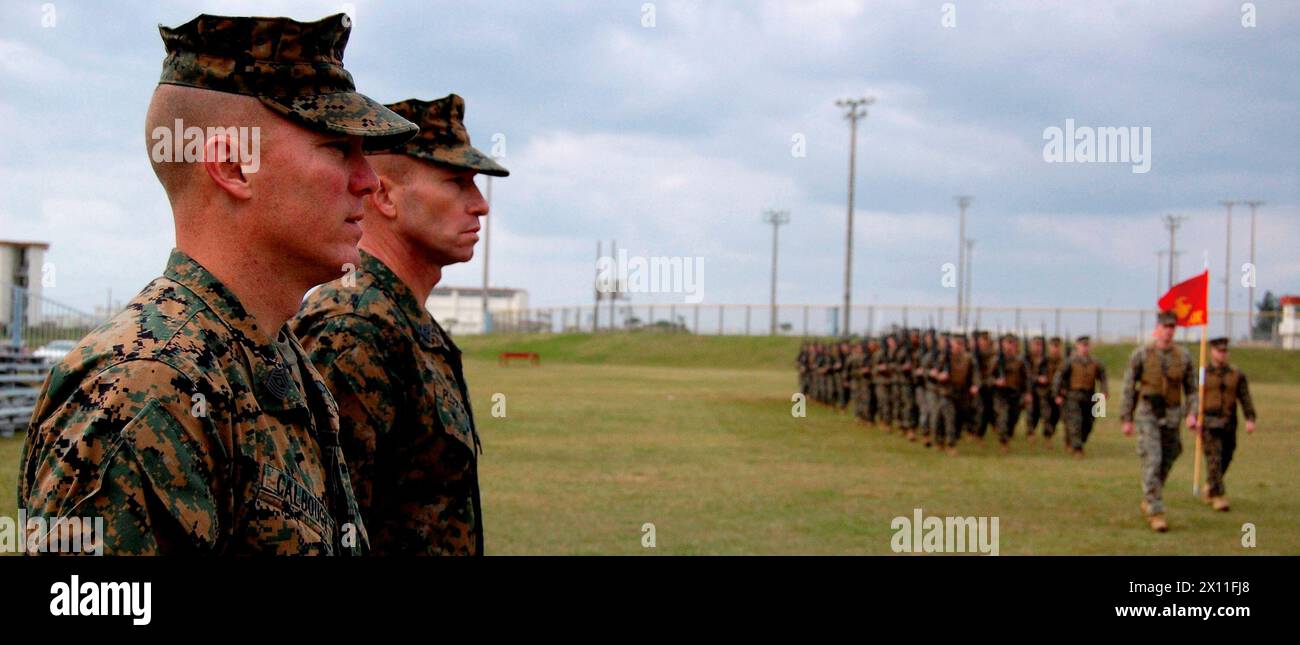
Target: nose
{"x":362,"y":179}
{"x":478,"y":206}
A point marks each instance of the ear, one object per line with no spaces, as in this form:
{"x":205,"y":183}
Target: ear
{"x":383,"y":199}
{"x":221,"y":162}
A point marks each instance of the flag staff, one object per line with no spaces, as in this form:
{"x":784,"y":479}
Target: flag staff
{"x":1200,"y":393}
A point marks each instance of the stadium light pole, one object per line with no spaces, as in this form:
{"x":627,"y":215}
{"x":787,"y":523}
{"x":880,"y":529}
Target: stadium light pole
{"x":966,"y":271}
{"x":962,"y":202}
{"x":1227,"y":271}
{"x":854,"y":110}
{"x":1250,"y":309}
{"x":776,"y":219}
{"x":1160,"y":260}
{"x":1172,"y":222}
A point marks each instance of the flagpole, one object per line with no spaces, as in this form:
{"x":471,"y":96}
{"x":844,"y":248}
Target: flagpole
{"x":1200,"y":393}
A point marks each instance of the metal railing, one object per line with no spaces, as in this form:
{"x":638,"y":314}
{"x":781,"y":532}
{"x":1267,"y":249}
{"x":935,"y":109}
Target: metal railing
{"x":1106,"y":324}
{"x":21,"y":375}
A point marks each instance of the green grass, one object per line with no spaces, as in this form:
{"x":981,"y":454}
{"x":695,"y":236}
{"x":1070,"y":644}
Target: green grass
{"x":695,"y":435}
{"x":778,"y":352}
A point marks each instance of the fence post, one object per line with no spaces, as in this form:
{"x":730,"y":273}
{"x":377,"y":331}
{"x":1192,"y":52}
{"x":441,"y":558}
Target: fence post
{"x":1099,"y":338}
{"x":721,"y":311}
{"x":805,"y":320}
{"x":747,"y":308}
{"x":1058,"y":322}
{"x":1142,"y":324}
{"x":16,"y":316}
{"x":697,"y":320}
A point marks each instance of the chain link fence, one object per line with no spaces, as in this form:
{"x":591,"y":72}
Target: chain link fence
{"x":1105,"y":324}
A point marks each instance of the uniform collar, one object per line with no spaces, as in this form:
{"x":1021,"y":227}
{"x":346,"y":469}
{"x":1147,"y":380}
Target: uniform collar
{"x":423,"y":327}
{"x":272,"y":380}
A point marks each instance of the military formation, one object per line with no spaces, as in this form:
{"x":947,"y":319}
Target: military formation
{"x":219,"y":413}
{"x":939,"y":388}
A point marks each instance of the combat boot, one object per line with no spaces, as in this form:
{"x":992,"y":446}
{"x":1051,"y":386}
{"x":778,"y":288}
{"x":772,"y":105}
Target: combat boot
{"x":1219,"y":503}
{"x":1158,"y":523}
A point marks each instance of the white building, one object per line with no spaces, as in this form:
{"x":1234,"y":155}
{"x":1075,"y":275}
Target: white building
{"x":1289,"y":330}
{"x":21,"y":265}
{"x":460,"y":309}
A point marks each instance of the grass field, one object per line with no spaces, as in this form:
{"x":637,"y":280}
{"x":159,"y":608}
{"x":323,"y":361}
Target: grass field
{"x":695,"y":435}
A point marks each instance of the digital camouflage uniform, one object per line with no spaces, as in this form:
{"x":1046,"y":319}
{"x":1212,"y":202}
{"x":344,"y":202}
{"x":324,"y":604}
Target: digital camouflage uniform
{"x":1042,"y":406}
{"x":182,"y":423}
{"x":982,"y":416}
{"x":1159,"y":387}
{"x":1225,"y":389}
{"x":882,"y":378}
{"x":189,"y":429}
{"x":1077,"y":381}
{"x":1008,"y":397}
{"x":904,"y":392}
{"x":408,"y":429}
{"x":954,"y":396}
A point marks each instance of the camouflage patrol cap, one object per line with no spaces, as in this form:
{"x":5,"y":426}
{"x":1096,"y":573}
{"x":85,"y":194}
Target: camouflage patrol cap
{"x":443,"y":138}
{"x":1055,"y":340}
{"x":1083,"y":340}
{"x":1219,"y":343}
{"x":1167,"y":318}
{"x":294,"y":68}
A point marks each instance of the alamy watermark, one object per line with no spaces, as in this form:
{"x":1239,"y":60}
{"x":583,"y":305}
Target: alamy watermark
{"x":919,"y":534}
{"x":192,"y":144}
{"x":660,"y":274}
{"x":38,"y":534}
{"x":1086,"y":144}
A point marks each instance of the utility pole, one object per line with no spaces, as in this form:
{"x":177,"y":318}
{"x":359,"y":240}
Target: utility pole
{"x":1227,"y":271}
{"x":854,"y":110}
{"x":776,"y":219}
{"x":966,"y":272}
{"x":1172,"y":222}
{"x":1160,"y":260}
{"x":962,"y":202}
{"x":487,"y":237}
{"x":1250,"y":310}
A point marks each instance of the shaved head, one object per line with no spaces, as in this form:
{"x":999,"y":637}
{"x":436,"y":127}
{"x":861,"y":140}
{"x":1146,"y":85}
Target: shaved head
{"x":194,"y":107}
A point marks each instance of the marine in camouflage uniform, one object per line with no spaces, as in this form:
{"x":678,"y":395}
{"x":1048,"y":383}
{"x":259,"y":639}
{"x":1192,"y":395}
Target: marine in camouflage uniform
{"x":1010,"y":389}
{"x":1159,"y":387}
{"x":959,"y":380}
{"x":932,"y":365}
{"x":904,"y":388}
{"x":801,"y":363}
{"x":986,"y":358}
{"x":1225,"y":389}
{"x":408,"y":428}
{"x":882,"y":377}
{"x":185,"y":424}
{"x":1041,"y":372}
{"x":1079,"y":379}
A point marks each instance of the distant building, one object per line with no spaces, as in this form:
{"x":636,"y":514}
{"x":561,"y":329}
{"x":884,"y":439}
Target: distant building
{"x":460,"y":309}
{"x":21,"y":265}
{"x":1289,"y":330}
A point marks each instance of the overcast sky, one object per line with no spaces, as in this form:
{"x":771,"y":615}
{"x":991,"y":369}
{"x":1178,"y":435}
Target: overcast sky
{"x":673,"y":138}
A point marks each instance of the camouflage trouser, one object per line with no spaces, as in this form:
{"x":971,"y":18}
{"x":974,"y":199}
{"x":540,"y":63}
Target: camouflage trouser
{"x":803,"y":383}
{"x":952,"y":416}
{"x":1078,"y":418}
{"x":905,"y":397}
{"x":861,"y":398}
{"x":1158,"y":445}
{"x":982,"y":412}
{"x":932,"y":394}
{"x":923,"y":407}
{"x":884,"y":403}
{"x":1006,"y":408}
{"x":1039,"y":409}
{"x":845,"y":393}
{"x":1218,"y":442}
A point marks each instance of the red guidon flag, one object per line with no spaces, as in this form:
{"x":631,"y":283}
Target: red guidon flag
{"x":1188,"y":300}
